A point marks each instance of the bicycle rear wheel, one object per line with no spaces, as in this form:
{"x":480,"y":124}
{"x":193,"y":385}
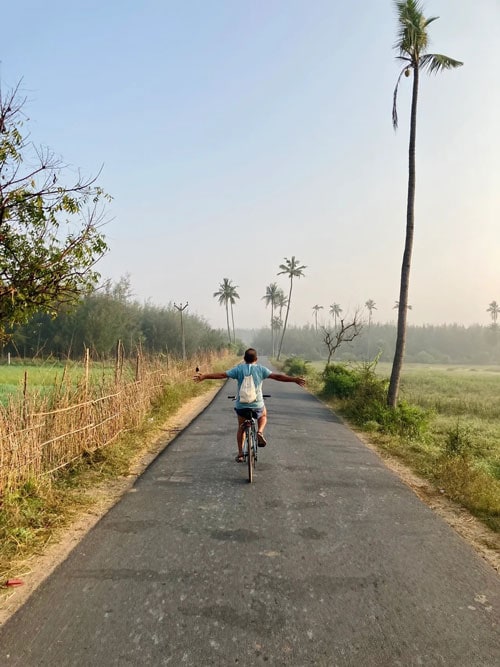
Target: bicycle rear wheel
{"x":250,"y":452}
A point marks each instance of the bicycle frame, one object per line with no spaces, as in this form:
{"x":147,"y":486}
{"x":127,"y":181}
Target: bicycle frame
{"x":250,"y":447}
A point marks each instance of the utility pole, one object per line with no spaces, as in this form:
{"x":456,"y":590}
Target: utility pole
{"x":181,"y":308}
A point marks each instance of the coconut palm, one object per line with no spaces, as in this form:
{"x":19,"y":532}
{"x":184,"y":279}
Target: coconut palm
{"x":493,"y":309}
{"x":335,"y":311}
{"x":292,"y":269}
{"x":233,"y":295}
{"x":316,"y":308}
{"x":370,"y":305}
{"x":226,"y":296}
{"x":412,"y":45}
{"x":271,"y":298}
{"x":282,"y":303}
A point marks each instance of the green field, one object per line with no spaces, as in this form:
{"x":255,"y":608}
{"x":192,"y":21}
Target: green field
{"x":44,"y":377}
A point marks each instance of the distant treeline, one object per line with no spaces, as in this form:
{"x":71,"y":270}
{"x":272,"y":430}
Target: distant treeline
{"x":443,"y":344}
{"x":102,"y":318}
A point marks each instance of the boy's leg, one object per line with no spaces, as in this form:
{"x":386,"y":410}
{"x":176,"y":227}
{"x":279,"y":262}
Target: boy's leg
{"x":240,"y":435}
{"x":261,"y":425}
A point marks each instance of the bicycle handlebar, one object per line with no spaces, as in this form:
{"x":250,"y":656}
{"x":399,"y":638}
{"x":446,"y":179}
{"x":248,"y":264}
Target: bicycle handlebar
{"x":263,"y":396}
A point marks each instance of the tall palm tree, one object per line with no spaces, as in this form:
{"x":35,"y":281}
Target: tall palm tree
{"x":494,"y":310}
{"x":292,"y":269}
{"x":370,"y":305}
{"x":412,"y":45}
{"x":282,"y":303}
{"x":316,"y":308}
{"x":271,"y":298}
{"x":233,"y":295}
{"x":226,"y":296}
{"x":336,"y":311}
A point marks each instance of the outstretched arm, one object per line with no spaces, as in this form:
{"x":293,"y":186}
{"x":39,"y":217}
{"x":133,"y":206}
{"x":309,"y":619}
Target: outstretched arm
{"x":281,"y":377}
{"x":199,"y":377}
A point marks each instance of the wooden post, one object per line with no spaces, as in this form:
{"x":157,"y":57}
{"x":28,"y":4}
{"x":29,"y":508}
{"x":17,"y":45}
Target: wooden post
{"x":87,"y":369}
{"x":118,"y":361}
{"x":25,"y":399}
{"x":181,"y":308}
{"x":138,"y":367}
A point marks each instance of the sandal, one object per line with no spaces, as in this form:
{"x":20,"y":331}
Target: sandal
{"x":240,"y":458}
{"x":261,"y":441}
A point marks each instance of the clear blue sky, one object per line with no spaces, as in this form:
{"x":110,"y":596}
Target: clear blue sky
{"x":236,"y":133}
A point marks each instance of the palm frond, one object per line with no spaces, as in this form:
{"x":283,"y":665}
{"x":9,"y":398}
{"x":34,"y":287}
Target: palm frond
{"x":436,"y":62}
{"x":412,"y":37}
{"x":395,"y":100}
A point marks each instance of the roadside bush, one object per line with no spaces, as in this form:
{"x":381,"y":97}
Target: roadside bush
{"x":295,"y":366}
{"x":363,"y":395}
{"x":458,"y":441}
{"x":340,"y":381}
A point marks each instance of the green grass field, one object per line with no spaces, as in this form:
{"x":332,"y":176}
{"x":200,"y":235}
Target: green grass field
{"x":43,"y":377}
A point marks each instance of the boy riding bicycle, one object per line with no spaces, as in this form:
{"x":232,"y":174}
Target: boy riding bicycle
{"x":259,"y":374}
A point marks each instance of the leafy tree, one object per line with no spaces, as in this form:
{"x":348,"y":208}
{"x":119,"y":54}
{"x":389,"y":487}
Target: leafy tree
{"x":493,"y":309}
{"x":227,"y":296}
{"x":412,"y":45}
{"x":271,"y":298}
{"x":316,"y":308}
{"x":292,"y":269}
{"x":335,"y":311}
{"x":50,"y":238}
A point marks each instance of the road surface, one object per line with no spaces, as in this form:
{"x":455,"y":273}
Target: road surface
{"x":327,"y":559}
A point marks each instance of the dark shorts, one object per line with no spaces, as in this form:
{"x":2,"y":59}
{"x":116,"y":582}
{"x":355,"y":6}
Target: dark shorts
{"x":243,"y":412}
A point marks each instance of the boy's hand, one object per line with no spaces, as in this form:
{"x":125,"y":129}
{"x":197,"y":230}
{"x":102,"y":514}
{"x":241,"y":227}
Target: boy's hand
{"x":198,"y":377}
{"x":300,"y":381}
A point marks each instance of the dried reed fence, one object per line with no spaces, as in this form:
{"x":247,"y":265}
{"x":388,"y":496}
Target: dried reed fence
{"x":42,"y":433}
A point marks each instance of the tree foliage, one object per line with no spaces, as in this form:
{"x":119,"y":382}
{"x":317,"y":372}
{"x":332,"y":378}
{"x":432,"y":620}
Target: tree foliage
{"x":106,"y":315}
{"x":50,"y":232}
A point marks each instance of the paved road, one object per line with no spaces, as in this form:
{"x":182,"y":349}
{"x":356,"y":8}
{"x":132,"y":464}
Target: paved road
{"x":328,"y":559}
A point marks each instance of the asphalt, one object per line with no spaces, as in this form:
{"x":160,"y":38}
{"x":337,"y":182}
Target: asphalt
{"x":327,"y":559}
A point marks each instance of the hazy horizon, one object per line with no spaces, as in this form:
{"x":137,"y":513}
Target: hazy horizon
{"x":234,"y":135}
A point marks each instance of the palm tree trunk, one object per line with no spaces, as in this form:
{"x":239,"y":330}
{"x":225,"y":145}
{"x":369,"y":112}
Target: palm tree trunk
{"x":227,"y":320}
{"x":397,"y":364}
{"x":286,"y":318}
{"x":232,"y":320}
{"x":272,"y":329}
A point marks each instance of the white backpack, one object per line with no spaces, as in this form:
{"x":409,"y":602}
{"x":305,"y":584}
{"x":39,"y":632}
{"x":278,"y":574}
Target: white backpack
{"x":248,"y":392}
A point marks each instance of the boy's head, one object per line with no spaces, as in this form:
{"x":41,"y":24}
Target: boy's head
{"x":250,"y":356}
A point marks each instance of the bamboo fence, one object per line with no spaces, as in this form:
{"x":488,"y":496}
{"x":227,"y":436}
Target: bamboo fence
{"x":42,"y":434}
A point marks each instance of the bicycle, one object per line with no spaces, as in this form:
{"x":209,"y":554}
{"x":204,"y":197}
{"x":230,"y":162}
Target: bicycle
{"x":250,"y":446}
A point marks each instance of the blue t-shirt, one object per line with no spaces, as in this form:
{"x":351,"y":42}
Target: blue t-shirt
{"x":259,"y":374}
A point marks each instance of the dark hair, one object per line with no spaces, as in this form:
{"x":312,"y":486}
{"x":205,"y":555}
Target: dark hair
{"x":250,"y":355}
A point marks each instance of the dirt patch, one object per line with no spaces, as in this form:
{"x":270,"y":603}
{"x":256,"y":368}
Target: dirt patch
{"x":36,"y":569}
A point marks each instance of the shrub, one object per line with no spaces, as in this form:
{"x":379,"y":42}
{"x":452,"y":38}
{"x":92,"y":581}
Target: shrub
{"x":458,"y":441}
{"x":340,"y":381}
{"x":363,"y":396}
{"x":295,"y":366}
